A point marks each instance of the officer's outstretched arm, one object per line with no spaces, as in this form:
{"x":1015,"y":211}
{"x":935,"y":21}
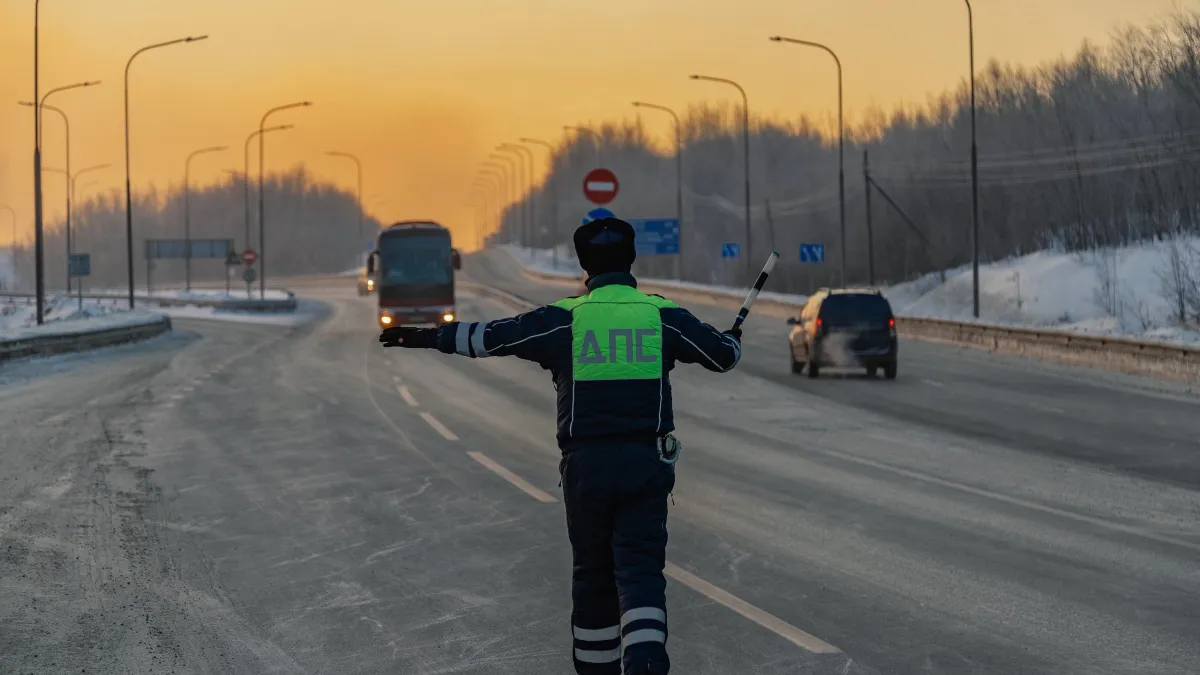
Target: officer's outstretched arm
{"x":540,"y":336}
{"x":697,"y":342}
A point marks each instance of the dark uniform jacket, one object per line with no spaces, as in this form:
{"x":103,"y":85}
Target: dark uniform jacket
{"x":610,"y":353}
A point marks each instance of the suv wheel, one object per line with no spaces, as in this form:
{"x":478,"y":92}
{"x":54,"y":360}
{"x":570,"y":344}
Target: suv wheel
{"x":889,"y":371}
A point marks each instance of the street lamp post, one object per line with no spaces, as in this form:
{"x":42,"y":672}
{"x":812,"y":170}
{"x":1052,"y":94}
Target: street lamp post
{"x":67,"y":134}
{"x":39,"y":264}
{"x":128,"y":184}
{"x":358,"y":198}
{"x":246,"y":175}
{"x":526,"y":156}
{"x":262,"y":224}
{"x":552,"y":196}
{"x":12,"y":251}
{"x":746,"y":149}
{"x":678,"y":176}
{"x":513,"y":180}
{"x":39,"y":235}
{"x":974,"y":168}
{"x":187,"y":212}
{"x":499,"y":173}
{"x":841,"y":140}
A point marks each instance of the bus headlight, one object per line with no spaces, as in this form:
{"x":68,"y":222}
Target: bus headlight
{"x":370,"y":284}
{"x":448,"y":317}
{"x":385,"y":319}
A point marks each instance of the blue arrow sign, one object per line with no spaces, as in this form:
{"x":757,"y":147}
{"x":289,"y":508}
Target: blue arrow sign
{"x":731,"y":250}
{"x":813,"y":253}
{"x":597,"y":214}
{"x":655,"y":236}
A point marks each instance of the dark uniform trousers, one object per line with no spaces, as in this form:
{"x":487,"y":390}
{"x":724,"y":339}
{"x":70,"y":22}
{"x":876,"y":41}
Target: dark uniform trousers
{"x":616,"y":498}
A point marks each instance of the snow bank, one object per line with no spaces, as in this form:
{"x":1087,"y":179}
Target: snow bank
{"x":196,"y":293}
{"x":63,"y":317}
{"x":1121,"y":292}
{"x":303,"y":314}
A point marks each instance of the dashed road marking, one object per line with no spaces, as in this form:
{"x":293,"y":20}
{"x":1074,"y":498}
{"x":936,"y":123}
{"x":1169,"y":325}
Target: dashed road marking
{"x":524,"y":485}
{"x":396,"y":379}
{"x":438,"y":426}
{"x":934,"y":383}
{"x":769,"y":621}
{"x":57,"y":419}
{"x":409,"y":398}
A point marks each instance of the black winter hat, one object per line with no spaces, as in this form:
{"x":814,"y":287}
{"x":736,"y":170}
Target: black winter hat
{"x":605,"y":245}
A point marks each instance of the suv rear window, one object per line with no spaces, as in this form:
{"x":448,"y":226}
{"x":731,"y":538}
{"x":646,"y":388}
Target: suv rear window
{"x":843,"y":308}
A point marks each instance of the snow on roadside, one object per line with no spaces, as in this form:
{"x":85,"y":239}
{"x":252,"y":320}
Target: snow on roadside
{"x":303,"y":314}
{"x":63,"y":317}
{"x":1111,"y":292}
{"x":197,"y":293}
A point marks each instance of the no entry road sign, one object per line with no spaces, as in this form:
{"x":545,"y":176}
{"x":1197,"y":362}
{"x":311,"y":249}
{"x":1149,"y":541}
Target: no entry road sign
{"x":249,"y":257}
{"x":600,"y":186}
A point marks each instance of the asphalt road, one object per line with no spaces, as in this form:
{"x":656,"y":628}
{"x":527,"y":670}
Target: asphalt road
{"x":255,"y":499}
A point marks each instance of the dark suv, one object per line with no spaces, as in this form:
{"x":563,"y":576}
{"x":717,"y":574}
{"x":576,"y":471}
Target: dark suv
{"x":848,"y":328}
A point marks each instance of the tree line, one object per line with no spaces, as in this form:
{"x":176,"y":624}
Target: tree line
{"x":1090,"y":151}
{"x":311,"y":228}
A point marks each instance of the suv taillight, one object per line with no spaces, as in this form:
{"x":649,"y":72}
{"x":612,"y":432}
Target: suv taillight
{"x":892,"y":327}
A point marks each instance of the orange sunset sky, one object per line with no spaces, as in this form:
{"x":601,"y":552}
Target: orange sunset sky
{"x":422,"y":90}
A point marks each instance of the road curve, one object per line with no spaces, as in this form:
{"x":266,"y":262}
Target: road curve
{"x":255,"y":499}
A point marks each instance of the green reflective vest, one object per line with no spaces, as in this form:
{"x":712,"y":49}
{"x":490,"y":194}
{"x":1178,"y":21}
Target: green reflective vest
{"x":616,"y":334}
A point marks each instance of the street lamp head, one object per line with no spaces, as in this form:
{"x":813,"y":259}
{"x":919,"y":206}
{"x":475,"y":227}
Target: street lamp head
{"x":90,"y":84}
{"x":195,"y":38}
{"x":306,"y":103}
{"x":694,"y":77}
{"x":27,"y":104}
{"x":775,"y":38}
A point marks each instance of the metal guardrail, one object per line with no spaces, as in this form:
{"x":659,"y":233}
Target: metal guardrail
{"x":46,"y":345}
{"x":227,"y":304}
{"x":1154,"y":359}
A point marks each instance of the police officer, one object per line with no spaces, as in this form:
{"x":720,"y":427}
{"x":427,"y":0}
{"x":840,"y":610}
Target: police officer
{"x":610,"y":353}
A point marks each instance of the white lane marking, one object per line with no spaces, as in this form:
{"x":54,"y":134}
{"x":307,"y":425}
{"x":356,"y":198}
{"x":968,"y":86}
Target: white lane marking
{"x":438,"y":426}
{"x":1047,"y":408}
{"x":771,"y":622}
{"x":934,"y":383}
{"x":397,"y":380}
{"x":387,"y":362}
{"x":513,"y":478}
{"x":56,"y":419}
{"x":409,"y":398}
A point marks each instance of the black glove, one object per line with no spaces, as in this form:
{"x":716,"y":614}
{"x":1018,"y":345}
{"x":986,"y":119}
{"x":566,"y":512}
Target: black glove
{"x":412,"y":338}
{"x":736,"y":333}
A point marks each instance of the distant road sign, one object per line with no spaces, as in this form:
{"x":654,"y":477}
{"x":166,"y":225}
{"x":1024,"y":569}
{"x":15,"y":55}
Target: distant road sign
{"x":597,"y":214}
{"x":370,"y":246}
{"x":814,"y":253}
{"x":731,"y":250}
{"x":600,"y":186}
{"x":249,"y":257}
{"x":249,"y":276}
{"x":233,"y":259}
{"x":656,"y":236}
{"x":80,"y":264}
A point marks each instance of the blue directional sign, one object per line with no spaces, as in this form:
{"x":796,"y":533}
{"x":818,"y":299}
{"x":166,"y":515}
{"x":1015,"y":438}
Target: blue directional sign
{"x":814,"y":253}
{"x":597,"y":214}
{"x":656,"y":236}
{"x":731,"y":250}
{"x":79,"y":264}
{"x":370,"y":245}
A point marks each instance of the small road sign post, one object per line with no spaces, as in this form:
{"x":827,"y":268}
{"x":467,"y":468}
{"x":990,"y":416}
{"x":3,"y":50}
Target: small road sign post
{"x":79,"y":265}
{"x":812,"y":253}
{"x":249,"y":257}
{"x":249,"y":276}
{"x":600,"y":186}
{"x":232,"y":260}
{"x":731,"y":250}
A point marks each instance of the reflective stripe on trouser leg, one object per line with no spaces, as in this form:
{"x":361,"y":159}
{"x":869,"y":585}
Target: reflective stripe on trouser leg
{"x":595,"y":617}
{"x":639,"y":551}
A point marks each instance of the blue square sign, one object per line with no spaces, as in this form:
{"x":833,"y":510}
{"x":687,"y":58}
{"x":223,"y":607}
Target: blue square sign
{"x":655,"y":236}
{"x":731,"y":250}
{"x":813,"y":253}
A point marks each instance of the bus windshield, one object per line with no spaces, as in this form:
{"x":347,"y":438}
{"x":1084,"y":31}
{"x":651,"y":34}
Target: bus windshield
{"x":415,"y":259}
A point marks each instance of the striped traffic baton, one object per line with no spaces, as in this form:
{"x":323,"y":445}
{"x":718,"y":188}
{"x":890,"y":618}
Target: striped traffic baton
{"x":762,"y":279}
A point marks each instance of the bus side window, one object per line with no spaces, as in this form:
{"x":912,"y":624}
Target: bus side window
{"x":456,"y":258}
